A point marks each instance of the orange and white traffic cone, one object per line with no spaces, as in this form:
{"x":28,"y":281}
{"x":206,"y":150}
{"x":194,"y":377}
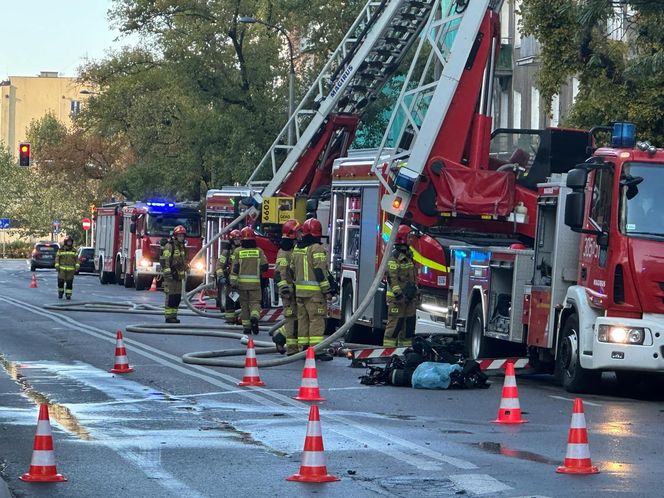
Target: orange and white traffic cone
{"x":309,"y":388}
{"x":33,"y":282}
{"x":251,"y":377}
{"x":509,"y":411}
{"x":313,"y":467}
{"x":577,"y":458}
{"x":42,"y":465}
{"x":153,"y":287}
{"x":121,"y":363}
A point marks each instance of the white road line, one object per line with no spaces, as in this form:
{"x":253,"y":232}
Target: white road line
{"x":410,"y":453}
{"x":589,"y":403}
{"x":478,"y":484}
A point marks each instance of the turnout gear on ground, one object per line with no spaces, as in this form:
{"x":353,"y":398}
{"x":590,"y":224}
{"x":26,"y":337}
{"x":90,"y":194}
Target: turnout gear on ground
{"x":402,"y":296}
{"x":312,"y":288}
{"x":66,"y":264}
{"x":247,"y":264}
{"x":173,"y":266}
{"x":283,"y":276}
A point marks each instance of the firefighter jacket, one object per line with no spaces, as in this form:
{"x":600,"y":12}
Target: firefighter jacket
{"x":66,"y":260}
{"x":401,"y":275}
{"x":223,"y":267}
{"x":247,"y":265}
{"x":309,"y":267}
{"x":173,"y":259}
{"x":283,"y":274}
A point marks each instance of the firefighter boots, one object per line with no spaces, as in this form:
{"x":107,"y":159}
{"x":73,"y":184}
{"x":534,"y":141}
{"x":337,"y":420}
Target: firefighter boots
{"x":60,"y":294}
{"x":254,"y":325}
{"x":172,"y":320}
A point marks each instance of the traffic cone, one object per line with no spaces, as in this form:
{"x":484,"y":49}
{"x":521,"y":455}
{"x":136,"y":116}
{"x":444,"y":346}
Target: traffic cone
{"x":313,"y":468}
{"x":33,"y":282}
{"x":577,"y":458}
{"x":121,"y":363}
{"x":251,"y":377}
{"x":509,"y":411}
{"x":153,"y":287}
{"x":42,"y":465}
{"x":309,"y":388}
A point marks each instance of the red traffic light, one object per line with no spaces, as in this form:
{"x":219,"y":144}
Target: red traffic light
{"x":24,"y":154}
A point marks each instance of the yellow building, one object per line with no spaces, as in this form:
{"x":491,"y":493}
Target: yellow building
{"x":24,"y":99}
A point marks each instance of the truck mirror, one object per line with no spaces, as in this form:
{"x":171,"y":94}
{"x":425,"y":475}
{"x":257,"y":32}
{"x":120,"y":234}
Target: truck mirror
{"x":574,"y":210}
{"x":577,"y":178}
{"x":132,"y":228}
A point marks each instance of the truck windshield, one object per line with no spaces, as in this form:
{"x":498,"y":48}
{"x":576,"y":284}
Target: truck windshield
{"x":642,"y":213}
{"x":163,"y":224}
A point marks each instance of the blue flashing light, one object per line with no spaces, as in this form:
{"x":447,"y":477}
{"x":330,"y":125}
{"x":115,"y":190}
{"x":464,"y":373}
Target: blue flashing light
{"x":624,"y":135}
{"x":165,"y":204}
{"x":460,"y":254}
{"x":479,"y":257}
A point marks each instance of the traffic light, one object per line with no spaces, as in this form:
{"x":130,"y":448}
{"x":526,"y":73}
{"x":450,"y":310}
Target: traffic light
{"x":24,"y":154}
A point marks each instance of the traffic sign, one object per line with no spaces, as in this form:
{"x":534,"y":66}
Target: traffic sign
{"x":86,"y":223}
{"x":4,"y":223}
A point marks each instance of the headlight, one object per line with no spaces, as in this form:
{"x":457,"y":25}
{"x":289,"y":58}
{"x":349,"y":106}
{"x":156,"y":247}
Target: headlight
{"x":621,"y":335}
{"x":199,"y":265}
{"x":145,"y":263}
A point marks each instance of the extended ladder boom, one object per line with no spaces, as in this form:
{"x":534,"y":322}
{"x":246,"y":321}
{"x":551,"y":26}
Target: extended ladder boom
{"x":368,"y":55}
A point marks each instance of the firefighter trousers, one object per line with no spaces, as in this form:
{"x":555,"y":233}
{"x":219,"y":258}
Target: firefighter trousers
{"x":229,"y":305}
{"x":250,"y":307}
{"x":172,"y":296}
{"x":400,"y":327}
{"x":289,"y":328}
{"x":311,"y":313}
{"x":65,"y":283}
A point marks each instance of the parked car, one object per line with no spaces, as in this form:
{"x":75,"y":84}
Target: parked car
{"x":86,"y":259}
{"x":43,"y":255}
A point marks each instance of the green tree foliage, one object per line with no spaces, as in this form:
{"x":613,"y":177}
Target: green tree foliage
{"x":203,"y":97}
{"x":619,"y":79}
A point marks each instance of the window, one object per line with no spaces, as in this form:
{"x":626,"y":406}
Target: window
{"x":162,"y":225}
{"x":600,"y":210}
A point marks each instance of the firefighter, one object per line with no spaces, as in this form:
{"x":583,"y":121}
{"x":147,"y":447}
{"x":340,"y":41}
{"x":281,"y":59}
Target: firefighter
{"x":66,"y":264}
{"x":283,"y":276}
{"x":312,"y":287}
{"x":174,"y":266}
{"x":248,"y":262}
{"x":222,"y":272}
{"x":402,"y":292}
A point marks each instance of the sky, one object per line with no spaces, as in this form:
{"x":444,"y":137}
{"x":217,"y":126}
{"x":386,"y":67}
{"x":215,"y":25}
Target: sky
{"x":53,"y":35}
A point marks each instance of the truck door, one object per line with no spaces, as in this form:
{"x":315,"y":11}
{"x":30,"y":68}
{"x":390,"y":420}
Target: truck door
{"x":593,"y":272}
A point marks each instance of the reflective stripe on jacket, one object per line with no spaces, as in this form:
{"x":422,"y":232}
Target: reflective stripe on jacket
{"x":246,"y":269}
{"x":283,"y":274}
{"x":304,"y":262}
{"x":173,"y":257}
{"x":66,"y":260}
{"x":400,"y":271}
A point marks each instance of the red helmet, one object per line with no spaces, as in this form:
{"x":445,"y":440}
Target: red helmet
{"x":235,"y":234}
{"x":402,"y":234}
{"x":289,"y":230}
{"x":312,"y":227}
{"x":179,"y":230}
{"x":247,"y":233}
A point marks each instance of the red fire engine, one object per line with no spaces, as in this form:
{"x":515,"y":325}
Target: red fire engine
{"x":129,"y":237}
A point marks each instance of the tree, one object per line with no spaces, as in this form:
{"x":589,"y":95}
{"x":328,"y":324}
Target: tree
{"x":620,"y":79}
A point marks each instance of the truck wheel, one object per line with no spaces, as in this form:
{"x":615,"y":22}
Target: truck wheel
{"x":573,"y":377}
{"x":141,"y":283}
{"x":118,"y":272}
{"x":128,"y":281}
{"x":32,"y":267}
{"x":476,"y":343}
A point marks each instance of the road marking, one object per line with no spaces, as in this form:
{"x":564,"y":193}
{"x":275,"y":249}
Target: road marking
{"x":478,"y":484}
{"x":590,"y":403}
{"x":410,"y":453}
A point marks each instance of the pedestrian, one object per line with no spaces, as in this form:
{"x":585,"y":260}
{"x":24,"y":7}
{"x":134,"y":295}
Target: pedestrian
{"x":66,"y":264}
{"x":248,"y":262}
{"x":312,"y":287}
{"x":402,"y":292}
{"x":222,"y":272}
{"x":174,"y":267}
{"x":283,"y":276}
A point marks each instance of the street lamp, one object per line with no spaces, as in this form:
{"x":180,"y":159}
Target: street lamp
{"x":291,"y":78}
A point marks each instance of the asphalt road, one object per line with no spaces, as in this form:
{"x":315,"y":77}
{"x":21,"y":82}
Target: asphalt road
{"x":172,"y":429}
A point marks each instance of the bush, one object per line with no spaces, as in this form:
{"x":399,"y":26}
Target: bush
{"x":17,"y":249}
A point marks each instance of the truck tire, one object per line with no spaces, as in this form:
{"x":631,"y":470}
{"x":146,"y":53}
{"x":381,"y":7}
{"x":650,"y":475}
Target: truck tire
{"x":128,"y":281}
{"x":573,"y":377}
{"x":141,"y":283}
{"x":118,"y":272}
{"x":476,"y":343}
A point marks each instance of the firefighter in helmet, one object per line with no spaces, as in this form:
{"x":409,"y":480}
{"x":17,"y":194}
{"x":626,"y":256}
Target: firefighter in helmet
{"x":312,"y":286}
{"x":402,"y":292}
{"x":248,"y":262}
{"x":174,"y":267}
{"x":286,"y":335}
{"x":222,"y":272}
{"x":66,"y":264}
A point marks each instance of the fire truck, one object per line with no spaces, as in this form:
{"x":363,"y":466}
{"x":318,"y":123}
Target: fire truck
{"x":129,"y":237}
